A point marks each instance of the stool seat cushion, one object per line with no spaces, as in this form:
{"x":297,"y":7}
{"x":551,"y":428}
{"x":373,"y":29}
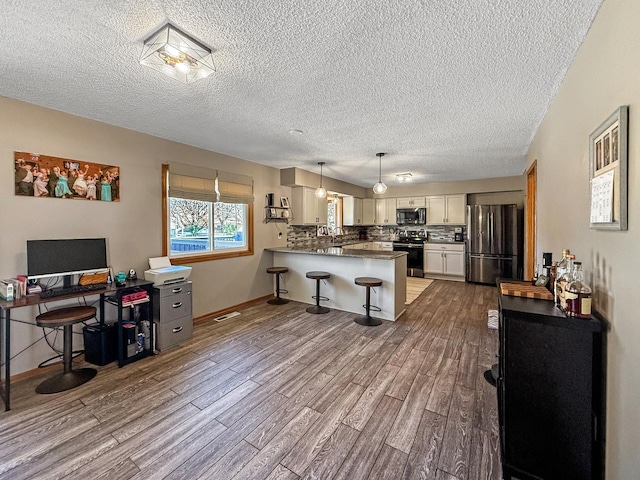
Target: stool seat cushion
{"x":318,"y":275}
{"x":277,"y":270}
{"x":61,"y":317}
{"x":368,"y":281}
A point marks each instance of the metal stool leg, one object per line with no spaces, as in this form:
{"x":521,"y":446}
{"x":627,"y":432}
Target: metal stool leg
{"x":367,"y":320}
{"x":277,"y":300}
{"x":69,"y":378}
{"x":317,"y":308}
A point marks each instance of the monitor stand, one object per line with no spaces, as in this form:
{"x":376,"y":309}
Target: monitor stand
{"x":67,"y":281}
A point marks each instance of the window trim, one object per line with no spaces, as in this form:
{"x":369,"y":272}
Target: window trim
{"x":204,"y":257}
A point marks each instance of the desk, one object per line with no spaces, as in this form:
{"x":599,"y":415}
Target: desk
{"x":111,"y":294}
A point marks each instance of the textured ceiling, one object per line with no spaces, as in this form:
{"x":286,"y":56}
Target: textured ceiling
{"x":451,"y":89}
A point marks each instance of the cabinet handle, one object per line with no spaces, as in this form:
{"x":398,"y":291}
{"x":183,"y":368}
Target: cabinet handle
{"x":177,"y":290}
{"x":177,"y":305}
{"x":177,"y":329}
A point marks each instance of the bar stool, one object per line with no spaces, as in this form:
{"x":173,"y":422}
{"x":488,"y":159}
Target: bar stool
{"x":277,"y":271}
{"x":367,"y":319}
{"x":69,"y":378}
{"x":317,"y":276}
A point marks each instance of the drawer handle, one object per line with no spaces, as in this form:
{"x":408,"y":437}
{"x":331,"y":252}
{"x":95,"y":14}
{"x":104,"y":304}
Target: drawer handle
{"x":177,"y":329}
{"x":177,"y":305}
{"x":177,"y":290}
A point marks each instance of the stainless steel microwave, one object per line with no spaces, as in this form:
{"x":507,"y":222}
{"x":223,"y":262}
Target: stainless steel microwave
{"x":411,"y":216}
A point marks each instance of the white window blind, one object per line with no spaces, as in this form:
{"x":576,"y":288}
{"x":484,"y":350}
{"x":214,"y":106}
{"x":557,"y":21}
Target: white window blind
{"x":193,"y":183}
{"x":200,"y":183}
{"x":234,"y":188}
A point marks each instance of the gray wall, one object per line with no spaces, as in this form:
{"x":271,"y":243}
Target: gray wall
{"x":603,"y":76}
{"x":133,"y":226}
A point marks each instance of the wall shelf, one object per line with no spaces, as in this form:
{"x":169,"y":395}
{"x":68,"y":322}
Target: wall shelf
{"x":275,"y":214}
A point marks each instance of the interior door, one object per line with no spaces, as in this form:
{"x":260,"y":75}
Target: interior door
{"x":530,"y":220}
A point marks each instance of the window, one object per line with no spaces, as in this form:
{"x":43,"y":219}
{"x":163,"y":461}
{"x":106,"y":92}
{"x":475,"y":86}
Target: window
{"x":209,"y":214}
{"x":334,"y":212}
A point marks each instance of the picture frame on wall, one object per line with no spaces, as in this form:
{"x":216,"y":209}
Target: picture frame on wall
{"x":39,"y":175}
{"x":608,"y":163}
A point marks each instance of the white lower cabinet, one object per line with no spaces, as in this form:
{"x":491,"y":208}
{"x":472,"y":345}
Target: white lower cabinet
{"x":444,"y":260}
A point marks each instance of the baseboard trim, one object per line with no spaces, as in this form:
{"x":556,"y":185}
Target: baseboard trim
{"x":218,"y":313}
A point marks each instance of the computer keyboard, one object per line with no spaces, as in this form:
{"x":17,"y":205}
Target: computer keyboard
{"x":73,"y":290}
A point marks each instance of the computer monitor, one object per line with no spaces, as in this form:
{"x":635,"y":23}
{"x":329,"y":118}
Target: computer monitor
{"x":65,"y":257}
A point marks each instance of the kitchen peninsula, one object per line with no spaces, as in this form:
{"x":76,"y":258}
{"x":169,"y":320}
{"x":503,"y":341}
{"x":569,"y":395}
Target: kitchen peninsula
{"x":345,"y":265}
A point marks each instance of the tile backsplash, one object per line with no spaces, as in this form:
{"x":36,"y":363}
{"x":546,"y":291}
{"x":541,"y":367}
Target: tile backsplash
{"x":307,"y":236}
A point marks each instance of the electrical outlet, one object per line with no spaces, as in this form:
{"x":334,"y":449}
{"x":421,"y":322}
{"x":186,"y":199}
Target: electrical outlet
{"x":279,"y":234}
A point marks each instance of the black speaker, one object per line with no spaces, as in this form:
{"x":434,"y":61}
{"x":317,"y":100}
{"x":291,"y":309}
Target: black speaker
{"x":100,"y":344}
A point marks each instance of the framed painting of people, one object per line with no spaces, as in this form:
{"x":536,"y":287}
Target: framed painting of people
{"x":39,"y":175}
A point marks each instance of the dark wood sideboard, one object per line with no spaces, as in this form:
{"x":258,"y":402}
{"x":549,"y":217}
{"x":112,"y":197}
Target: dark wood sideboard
{"x":551,"y":392}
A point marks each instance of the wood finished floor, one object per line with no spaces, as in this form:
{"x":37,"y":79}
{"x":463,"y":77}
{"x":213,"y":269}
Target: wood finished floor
{"x":277,"y":393}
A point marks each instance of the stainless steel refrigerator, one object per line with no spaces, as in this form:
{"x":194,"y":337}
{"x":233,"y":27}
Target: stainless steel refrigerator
{"x":493,"y":242}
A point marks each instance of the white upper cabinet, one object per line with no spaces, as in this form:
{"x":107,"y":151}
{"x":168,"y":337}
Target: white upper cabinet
{"x":446,"y":209}
{"x":385,"y":211}
{"x":411,"y":202}
{"x":306,"y":208}
{"x":368,"y":211}
{"x":358,"y":211}
{"x":351,"y":211}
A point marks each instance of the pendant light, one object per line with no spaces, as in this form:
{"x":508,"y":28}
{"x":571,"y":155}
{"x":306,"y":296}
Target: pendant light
{"x":379,"y":187}
{"x":321,"y":192}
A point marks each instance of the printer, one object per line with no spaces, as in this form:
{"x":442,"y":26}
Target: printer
{"x":161,"y":272}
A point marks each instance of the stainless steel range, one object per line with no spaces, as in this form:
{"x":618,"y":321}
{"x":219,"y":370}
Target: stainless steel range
{"x":414,"y":246}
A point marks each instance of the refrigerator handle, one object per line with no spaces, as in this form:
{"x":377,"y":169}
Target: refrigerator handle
{"x":491,"y":230}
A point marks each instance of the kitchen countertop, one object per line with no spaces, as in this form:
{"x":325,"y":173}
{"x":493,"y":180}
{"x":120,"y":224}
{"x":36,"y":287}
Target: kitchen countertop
{"x":445,"y":242}
{"x":339,"y":252}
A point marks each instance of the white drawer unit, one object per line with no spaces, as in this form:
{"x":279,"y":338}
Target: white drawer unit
{"x":172,"y":314}
{"x":444,"y":260}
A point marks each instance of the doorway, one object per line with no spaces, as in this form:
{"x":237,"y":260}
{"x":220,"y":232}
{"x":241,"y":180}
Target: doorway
{"x":530,"y":220}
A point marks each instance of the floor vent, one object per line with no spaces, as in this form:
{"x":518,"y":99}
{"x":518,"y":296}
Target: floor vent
{"x":226,"y":316}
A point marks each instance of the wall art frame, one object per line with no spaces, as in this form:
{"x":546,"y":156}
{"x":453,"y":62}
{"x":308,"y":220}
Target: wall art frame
{"x":53,"y":177}
{"x":608,"y":167}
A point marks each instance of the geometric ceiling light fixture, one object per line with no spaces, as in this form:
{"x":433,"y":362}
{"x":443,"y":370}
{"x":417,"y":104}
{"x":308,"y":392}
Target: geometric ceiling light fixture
{"x":403,"y":177}
{"x":379,"y":187}
{"x":177,"y":55}
{"x":321,"y":192}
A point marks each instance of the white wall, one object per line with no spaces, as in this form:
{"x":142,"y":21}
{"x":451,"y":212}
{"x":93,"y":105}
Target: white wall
{"x":604,"y":75}
{"x":133,"y":226}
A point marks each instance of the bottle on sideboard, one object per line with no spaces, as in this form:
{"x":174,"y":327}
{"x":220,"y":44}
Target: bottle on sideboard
{"x":561,"y":269}
{"x":563,"y":281}
{"x":553,"y":272}
{"x":578,"y":295}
